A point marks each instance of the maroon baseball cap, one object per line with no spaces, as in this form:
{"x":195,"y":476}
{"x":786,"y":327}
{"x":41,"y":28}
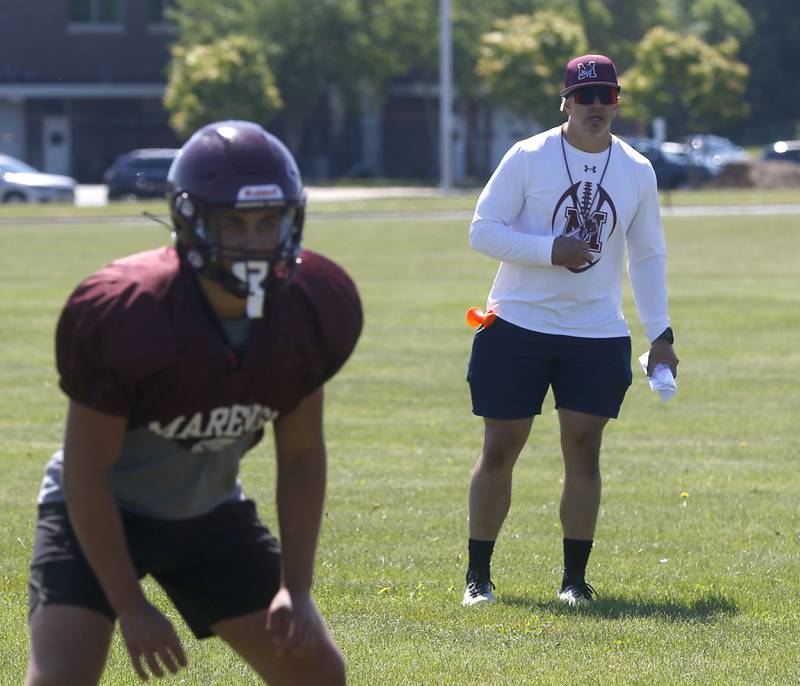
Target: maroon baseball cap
{"x":589,"y":70}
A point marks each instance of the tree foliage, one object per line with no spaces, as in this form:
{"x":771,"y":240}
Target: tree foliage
{"x":228,"y":78}
{"x":772,"y":52}
{"x":316,"y":46}
{"x":715,"y":21}
{"x":694,"y":86}
{"x":512,"y":51}
{"x":615,"y":27}
{"x":522,"y":62}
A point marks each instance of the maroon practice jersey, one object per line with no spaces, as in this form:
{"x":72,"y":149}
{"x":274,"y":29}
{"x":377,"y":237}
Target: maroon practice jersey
{"x":137,"y":339}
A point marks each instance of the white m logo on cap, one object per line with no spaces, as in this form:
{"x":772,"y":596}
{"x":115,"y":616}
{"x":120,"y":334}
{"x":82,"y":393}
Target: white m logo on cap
{"x":587,"y":71}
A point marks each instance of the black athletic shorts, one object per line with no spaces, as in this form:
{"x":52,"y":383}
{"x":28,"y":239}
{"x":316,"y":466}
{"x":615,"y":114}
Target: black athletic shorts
{"x":217,"y":566}
{"x":511,"y":369}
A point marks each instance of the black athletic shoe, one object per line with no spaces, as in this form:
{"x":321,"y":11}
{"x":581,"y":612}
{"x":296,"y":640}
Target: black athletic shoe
{"x":577,"y":594}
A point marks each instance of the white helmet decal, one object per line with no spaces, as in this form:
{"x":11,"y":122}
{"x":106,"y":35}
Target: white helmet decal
{"x":265,"y":193}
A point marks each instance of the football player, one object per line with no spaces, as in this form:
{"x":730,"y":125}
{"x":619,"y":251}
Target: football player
{"x":173,"y":361}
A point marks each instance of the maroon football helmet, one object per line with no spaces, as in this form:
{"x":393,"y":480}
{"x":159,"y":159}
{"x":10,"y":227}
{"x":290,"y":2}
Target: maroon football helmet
{"x":236,"y":164}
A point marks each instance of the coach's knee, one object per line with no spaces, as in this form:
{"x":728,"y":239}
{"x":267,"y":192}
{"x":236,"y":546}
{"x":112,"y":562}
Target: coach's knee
{"x":585,"y":470}
{"x":503,"y":442}
{"x":500,"y":452}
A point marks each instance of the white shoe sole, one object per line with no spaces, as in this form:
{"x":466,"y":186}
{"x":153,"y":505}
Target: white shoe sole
{"x":469,"y":601}
{"x":572,"y":600}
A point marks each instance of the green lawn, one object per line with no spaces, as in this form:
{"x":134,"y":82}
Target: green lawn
{"x":693,"y":590}
{"x":458,"y":200}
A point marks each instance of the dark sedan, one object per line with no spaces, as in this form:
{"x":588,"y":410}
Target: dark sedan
{"x":671,"y":162}
{"x":139,"y":174}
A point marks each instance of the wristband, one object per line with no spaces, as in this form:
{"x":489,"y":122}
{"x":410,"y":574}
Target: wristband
{"x":665,"y":335}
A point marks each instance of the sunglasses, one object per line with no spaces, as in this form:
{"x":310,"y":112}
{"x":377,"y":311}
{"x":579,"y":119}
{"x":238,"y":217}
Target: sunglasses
{"x":585,"y":96}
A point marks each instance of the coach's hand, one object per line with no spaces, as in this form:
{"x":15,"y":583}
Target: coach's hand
{"x":570,"y":253}
{"x":292,"y":621}
{"x":147,"y":634}
{"x":662,"y":352}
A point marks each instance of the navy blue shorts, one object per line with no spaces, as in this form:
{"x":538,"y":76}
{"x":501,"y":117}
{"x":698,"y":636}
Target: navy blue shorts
{"x":511,"y":369}
{"x":221,"y":565}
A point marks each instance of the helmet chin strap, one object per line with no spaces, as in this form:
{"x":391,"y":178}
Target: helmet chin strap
{"x":254,"y":274}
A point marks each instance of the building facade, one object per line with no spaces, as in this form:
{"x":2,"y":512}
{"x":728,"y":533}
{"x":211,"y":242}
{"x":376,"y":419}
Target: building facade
{"x":81,"y":81}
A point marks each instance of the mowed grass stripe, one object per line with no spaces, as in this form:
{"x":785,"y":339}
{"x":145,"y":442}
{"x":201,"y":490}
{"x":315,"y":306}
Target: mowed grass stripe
{"x":694,"y":589}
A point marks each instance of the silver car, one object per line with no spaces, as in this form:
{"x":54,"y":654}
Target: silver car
{"x":19,"y":182}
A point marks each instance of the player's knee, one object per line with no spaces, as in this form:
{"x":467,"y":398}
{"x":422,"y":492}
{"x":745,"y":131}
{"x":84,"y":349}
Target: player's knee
{"x":336,"y":668}
{"x":60,"y":673}
{"x":330,"y":669}
{"x":337,"y":675}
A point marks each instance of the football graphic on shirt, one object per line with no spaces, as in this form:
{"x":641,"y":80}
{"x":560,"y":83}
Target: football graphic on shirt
{"x":585,"y":211}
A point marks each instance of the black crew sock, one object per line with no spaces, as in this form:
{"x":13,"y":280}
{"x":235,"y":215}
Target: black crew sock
{"x":480,"y":557}
{"x":576,"y":556}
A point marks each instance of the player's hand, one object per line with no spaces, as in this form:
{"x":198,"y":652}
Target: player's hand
{"x":661,"y":352}
{"x":292,"y":622}
{"x":570,"y":253}
{"x":148,"y":635}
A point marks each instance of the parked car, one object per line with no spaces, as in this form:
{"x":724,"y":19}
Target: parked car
{"x":19,"y":182}
{"x":714,"y":152}
{"x":783,"y":150}
{"x":671,"y":162}
{"x":139,"y":174}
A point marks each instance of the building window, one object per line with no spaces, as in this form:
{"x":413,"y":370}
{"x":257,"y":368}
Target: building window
{"x":158,"y":17}
{"x":96,"y":12}
{"x":157,"y":13}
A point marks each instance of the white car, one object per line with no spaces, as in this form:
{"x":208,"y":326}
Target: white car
{"x":19,"y":182}
{"x":714,"y":152}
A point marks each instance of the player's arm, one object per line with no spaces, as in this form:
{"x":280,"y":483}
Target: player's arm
{"x":92,"y":444}
{"x":300,"y":492}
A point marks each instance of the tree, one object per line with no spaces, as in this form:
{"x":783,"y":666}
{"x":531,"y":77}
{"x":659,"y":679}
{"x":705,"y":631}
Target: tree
{"x":226,"y":79}
{"x":715,"y":21}
{"x":719,"y":20}
{"x":522,"y":62}
{"x":317,"y":47}
{"x":615,"y":27}
{"x":772,"y":51}
{"x":694,"y":86}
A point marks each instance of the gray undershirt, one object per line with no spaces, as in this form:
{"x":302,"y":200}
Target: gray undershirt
{"x":160,"y":478}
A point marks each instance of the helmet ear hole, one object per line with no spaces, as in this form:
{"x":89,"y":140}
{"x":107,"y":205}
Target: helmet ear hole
{"x":185,"y":206}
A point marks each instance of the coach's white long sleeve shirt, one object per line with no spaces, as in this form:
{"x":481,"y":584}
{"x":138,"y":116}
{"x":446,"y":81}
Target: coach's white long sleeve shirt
{"x":530,"y":200}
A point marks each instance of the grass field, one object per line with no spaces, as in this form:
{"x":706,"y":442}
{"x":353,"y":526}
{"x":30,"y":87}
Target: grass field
{"x":458,"y":200}
{"x":697,"y":589}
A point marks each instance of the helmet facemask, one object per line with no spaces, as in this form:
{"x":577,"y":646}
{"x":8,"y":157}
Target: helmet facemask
{"x":237,"y":165}
{"x":250,"y":272}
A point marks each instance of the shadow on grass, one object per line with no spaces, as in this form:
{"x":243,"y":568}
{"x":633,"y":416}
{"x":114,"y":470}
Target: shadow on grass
{"x":705,"y":608}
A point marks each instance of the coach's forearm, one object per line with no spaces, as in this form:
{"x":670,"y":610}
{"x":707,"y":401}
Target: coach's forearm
{"x":98,"y":526}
